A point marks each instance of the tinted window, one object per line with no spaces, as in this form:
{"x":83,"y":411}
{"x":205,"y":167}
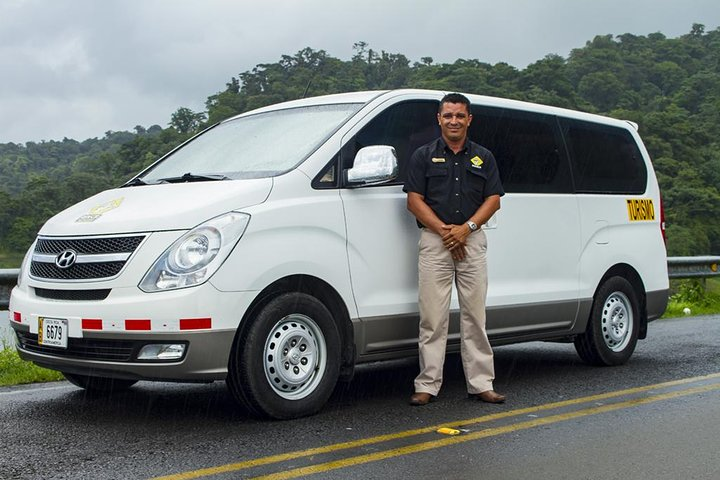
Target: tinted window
{"x":604,"y":159}
{"x":405,"y":126}
{"x":526,"y":146}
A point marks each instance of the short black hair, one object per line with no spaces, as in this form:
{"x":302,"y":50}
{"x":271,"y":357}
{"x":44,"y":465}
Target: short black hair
{"x":454,"y":98}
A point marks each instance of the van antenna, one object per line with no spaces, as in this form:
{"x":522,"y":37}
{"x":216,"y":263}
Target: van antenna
{"x":308,"y":86}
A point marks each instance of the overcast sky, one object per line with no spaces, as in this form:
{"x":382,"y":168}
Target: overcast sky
{"x":77,"y":68}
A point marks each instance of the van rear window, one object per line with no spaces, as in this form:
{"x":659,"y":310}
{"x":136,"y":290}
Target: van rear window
{"x":604,"y":159}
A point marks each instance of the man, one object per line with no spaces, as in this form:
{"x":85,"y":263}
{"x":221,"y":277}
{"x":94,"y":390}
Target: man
{"x":453,"y":188}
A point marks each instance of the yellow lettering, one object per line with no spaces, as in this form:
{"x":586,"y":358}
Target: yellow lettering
{"x":640,"y":209}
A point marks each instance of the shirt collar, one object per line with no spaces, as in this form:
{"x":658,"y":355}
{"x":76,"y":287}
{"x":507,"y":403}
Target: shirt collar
{"x":443,"y":147}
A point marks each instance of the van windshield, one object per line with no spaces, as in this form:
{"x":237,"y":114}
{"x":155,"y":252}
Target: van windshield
{"x":256,"y":146}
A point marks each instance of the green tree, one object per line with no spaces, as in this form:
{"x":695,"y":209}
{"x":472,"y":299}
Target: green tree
{"x":185,"y":120}
{"x":669,"y":86}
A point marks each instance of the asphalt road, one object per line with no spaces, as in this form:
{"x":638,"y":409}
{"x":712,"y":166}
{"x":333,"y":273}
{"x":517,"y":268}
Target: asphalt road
{"x":654,"y":418}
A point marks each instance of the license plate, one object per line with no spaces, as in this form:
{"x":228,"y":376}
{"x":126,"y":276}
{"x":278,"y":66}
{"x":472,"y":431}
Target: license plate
{"x":53,"y":332}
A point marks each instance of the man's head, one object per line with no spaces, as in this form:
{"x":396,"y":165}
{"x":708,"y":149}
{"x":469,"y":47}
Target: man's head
{"x":454,"y":117}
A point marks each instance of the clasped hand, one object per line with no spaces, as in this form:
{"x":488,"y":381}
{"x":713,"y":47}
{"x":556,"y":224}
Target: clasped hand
{"x":454,"y":237}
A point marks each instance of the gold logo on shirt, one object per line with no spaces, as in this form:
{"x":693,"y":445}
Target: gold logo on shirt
{"x":438,"y":160}
{"x":476,"y":161}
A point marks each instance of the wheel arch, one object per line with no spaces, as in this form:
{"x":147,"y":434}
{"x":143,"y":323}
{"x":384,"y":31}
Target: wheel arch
{"x":327,"y":295}
{"x":631,"y":275}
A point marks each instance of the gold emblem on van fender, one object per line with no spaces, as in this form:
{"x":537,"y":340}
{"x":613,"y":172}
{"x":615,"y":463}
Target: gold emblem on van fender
{"x":476,"y":161}
{"x":438,"y":160}
{"x":98,"y":210}
{"x":107,"y":206}
{"x":640,"y":209}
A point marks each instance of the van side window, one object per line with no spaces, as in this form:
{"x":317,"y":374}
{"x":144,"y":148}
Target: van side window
{"x":604,"y":159}
{"x":405,"y":126}
{"x":527,"y":147}
{"x":327,"y":178}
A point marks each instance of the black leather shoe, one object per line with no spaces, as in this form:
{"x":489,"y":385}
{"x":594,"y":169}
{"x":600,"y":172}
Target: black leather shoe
{"x":489,"y":396}
{"x":419,"y":399}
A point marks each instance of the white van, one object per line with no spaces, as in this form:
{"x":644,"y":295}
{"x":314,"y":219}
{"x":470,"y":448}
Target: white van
{"x":274,"y":250}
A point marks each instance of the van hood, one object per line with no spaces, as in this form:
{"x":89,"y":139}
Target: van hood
{"x":176,"y":206}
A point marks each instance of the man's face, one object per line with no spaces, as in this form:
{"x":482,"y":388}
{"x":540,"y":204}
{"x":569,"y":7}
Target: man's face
{"x":454,"y":120}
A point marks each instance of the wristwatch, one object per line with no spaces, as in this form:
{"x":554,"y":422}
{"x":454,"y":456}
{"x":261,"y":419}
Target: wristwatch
{"x":473,"y":226}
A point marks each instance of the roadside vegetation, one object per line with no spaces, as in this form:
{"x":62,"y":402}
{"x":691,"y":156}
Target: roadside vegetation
{"x":15,"y":371}
{"x":693,"y":297}
{"x":11,"y":259}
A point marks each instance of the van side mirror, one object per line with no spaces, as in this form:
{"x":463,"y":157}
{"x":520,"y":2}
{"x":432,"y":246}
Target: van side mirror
{"x":373,"y":165}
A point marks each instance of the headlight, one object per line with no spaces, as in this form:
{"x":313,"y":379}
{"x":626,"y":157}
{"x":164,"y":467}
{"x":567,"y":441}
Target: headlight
{"x":195,"y":256}
{"x":199,"y":248}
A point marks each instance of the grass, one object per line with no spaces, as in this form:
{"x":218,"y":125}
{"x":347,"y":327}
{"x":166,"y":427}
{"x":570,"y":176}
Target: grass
{"x":15,"y":371}
{"x":702,"y":297}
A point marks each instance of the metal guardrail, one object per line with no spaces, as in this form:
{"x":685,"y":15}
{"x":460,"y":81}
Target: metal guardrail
{"x":693,"y":267}
{"x":678,"y":267}
{"x":8,"y":278}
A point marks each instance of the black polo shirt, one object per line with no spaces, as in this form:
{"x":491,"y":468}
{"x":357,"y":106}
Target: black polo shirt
{"x":453,"y":185}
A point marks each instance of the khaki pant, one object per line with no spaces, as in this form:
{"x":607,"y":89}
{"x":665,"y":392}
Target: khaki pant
{"x":436,"y":270}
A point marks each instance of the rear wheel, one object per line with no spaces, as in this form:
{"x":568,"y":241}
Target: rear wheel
{"x":99,"y":385}
{"x":612,"y":330}
{"x":287,"y":361}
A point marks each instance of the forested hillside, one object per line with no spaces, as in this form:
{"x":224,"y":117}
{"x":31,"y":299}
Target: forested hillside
{"x":669,"y":86}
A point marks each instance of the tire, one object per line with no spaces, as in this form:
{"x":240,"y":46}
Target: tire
{"x":612,"y":330}
{"x":99,"y":385}
{"x":286,"y":362}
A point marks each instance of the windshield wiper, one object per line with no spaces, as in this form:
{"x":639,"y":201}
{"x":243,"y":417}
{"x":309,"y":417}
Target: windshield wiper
{"x":191,"y":177}
{"x":133,"y":183}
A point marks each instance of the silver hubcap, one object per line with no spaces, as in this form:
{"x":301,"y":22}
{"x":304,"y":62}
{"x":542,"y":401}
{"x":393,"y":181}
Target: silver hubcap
{"x":295,"y":356}
{"x":617,"y":321}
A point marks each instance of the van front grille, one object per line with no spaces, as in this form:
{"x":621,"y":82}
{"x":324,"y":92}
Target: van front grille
{"x":72,"y":295}
{"x":88,"y":245}
{"x":85,"y":348}
{"x":82,"y":271}
{"x":94,"y":257}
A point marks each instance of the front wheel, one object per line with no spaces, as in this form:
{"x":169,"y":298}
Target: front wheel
{"x":99,"y":385}
{"x":287,"y":361}
{"x":612,"y":330}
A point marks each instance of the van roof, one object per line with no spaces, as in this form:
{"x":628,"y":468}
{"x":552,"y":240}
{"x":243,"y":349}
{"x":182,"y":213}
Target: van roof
{"x":368,"y":96}
{"x":351,"y":97}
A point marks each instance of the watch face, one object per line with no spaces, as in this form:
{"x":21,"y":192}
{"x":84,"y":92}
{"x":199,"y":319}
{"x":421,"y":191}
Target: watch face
{"x":472,"y":225}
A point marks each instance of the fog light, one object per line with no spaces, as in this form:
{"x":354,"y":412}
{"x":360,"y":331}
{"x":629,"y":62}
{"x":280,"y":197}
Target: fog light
{"x":162,"y":351}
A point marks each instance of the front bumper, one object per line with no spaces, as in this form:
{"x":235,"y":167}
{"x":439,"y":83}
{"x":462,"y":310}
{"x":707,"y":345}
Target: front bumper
{"x":205,"y":359}
{"x":104,"y":340}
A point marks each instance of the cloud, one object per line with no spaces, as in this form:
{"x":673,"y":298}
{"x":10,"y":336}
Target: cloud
{"x":78,"y":68}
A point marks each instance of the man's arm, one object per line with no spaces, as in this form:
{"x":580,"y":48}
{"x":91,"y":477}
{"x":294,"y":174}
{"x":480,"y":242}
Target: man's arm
{"x":424,"y":214}
{"x":454,"y":238}
{"x":488,"y":208}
